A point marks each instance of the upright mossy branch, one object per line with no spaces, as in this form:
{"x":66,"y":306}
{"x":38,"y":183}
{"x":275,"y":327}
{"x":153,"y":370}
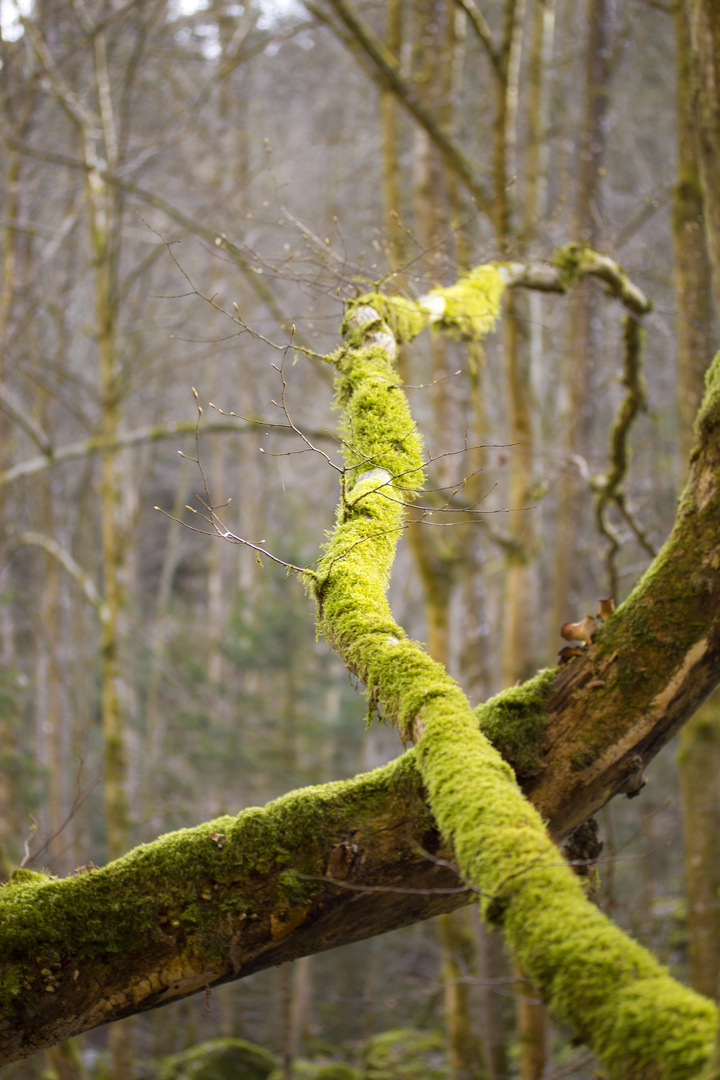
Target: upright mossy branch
{"x":608,"y":487}
{"x":611,"y":991}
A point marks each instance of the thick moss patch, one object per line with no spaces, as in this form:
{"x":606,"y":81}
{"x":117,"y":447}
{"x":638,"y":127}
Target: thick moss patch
{"x":514,"y":722}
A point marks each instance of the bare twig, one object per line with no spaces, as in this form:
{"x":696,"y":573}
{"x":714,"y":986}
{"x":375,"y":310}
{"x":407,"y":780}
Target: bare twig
{"x":66,"y":560}
{"x":82,"y":794}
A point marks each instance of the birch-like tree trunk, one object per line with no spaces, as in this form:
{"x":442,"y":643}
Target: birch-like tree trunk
{"x":699,"y":757}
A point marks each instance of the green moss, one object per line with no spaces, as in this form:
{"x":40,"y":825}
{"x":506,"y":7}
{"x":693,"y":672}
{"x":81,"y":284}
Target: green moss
{"x":471,"y":309}
{"x":472,"y":306}
{"x":23,"y":876}
{"x":708,"y":418}
{"x":365,"y":389}
{"x":568,"y":259}
{"x":514,"y":722}
{"x":405,"y":318}
{"x":295,"y":890}
{"x":582,"y":759}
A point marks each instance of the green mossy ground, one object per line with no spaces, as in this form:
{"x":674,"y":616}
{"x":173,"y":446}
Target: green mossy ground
{"x":406,"y":1054}
{"x":219,"y":1059}
{"x":313,"y":1070}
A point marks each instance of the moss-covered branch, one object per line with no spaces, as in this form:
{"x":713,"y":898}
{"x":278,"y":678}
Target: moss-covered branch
{"x":609,"y":486}
{"x":611,"y":991}
{"x":204,"y":906}
{"x":208,"y":905}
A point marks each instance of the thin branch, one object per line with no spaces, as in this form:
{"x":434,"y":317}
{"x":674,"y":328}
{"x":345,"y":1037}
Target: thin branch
{"x":480,"y":26}
{"x":217,"y":527}
{"x":571,"y":263}
{"x":390,"y":75}
{"x":66,"y":560}
{"x":100,"y":444}
{"x":75,"y":107}
{"x":196,"y":228}
{"x":15,"y":409}
{"x":83,"y":794}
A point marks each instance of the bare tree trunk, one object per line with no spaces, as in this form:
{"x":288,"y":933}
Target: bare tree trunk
{"x":694,"y":325}
{"x":10,"y":826}
{"x":699,"y":757}
{"x":537,"y":154}
{"x":389,"y":117}
{"x":579,"y":354}
{"x":532,"y":1027}
{"x":496,"y":1005}
{"x":459,"y":969}
{"x":699,"y":760}
{"x":704,"y":23}
{"x":300,"y":1005}
{"x":520,"y":596}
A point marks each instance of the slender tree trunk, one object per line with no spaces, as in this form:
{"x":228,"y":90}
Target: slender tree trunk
{"x":459,"y":968}
{"x":10,"y":826}
{"x":300,"y":1005}
{"x":496,"y":1005}
{"x":105,"y":213}
{"x":704,"y":23}
{"x":437,"y":555}
{"x":699,"y":760}
{"x":537,"y":154}
{"x":579,"y":354}
{"x":49,"y":698}
{"x":699,"y":757}
{"x":517,"y":653}
{"x":389,"y":118}
{"x":693,"y":294}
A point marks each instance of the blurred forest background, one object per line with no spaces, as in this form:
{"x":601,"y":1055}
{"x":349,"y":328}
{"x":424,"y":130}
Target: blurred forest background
{"x":182,"y":184}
